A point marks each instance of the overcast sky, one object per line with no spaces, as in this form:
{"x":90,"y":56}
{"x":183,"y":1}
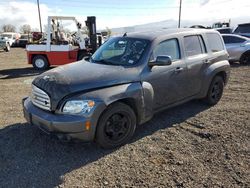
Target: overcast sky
{"x":118,"y":13}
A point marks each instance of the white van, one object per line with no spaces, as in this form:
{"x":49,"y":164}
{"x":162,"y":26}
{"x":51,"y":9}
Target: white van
{"x":7,"y":40}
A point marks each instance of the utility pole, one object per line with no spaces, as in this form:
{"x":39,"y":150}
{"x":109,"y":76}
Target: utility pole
{"x":39,"y":16}
{"x":179,"y":23}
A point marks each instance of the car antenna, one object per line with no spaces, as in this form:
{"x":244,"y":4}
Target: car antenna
{"x":125,"y":34}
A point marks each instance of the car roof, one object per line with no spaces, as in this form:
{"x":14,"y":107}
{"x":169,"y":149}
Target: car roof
{"x":152,"y":35}
{"x":244,"y":24}
{"x":234,"y":35}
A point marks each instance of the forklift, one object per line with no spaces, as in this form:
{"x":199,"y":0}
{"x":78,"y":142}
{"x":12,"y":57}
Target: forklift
{"x":58,"y":49}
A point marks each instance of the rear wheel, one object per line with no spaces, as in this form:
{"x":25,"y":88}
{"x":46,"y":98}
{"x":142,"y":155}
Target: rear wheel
{"x":215,"y":91}
{"x":116,"y":126}
{"x":7,"y":48}
{"x":245,"y":58}
{"x":40,"y":62}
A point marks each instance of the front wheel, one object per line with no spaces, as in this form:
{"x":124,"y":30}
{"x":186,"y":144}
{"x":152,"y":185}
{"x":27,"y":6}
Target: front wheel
{"x":215,"y":91}
{"x":40,"y":62}
{"x":116,"y":126}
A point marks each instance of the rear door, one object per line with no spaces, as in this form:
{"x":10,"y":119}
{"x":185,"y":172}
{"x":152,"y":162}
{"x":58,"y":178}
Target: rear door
{"x":196,"y":55}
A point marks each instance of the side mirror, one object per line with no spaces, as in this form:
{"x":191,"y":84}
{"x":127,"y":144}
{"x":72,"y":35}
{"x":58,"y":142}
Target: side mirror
{"x":161,"y":60}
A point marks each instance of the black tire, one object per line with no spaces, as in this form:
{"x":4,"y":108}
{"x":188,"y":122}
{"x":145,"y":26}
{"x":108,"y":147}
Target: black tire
{"x":40,"y":62}
{"x":215,"y":91}
{"x":245,"y":58}
{"x":82,"y":55}
{"x":7,"y":48}
{"x":116,"y":126}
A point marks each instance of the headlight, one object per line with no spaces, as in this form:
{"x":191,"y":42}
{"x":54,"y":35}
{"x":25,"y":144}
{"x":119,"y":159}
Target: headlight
{"x":78,"y":106}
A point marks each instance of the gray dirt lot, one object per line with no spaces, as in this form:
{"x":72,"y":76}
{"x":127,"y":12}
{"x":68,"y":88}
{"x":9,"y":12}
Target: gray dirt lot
{"x":188,"y":146}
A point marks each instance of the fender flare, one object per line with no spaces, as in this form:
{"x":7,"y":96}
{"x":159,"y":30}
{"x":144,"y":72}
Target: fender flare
{"x":222,"y":68}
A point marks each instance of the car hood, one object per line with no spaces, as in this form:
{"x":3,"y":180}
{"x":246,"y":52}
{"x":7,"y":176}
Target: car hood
{"x":82,"y":76}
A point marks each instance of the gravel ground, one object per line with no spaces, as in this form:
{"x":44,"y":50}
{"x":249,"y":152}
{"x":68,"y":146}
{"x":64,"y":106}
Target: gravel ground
{"x":188,"y":146}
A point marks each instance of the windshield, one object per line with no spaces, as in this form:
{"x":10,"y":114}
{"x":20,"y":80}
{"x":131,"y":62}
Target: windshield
{"x":5,"y":35}
{"x":243,"y":29}
{"x":120,"y":51}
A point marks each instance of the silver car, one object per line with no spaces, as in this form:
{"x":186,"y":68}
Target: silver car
{"x":238,"y":48}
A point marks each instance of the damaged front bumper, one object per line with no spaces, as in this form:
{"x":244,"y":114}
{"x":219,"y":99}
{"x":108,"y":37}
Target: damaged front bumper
{"x":64,"y":126}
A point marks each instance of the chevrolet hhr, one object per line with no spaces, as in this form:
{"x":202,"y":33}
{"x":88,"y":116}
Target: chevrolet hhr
{"x":125,"y":82}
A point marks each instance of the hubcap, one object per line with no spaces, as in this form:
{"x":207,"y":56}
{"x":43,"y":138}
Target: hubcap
{"x":216,"y":91}
{"x":117,"y":126}
{"x":39,"y":63}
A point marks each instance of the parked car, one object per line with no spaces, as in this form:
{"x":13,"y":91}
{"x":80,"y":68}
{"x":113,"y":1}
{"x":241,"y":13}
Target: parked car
{"x":224,"y":30}
{"x":243,"y":29}
{"x":24,"y":39}
{"x":125,"y":82}
{"x":238,"y":48}
{"x":4,"y":43}
{"x":198,"y":26}
{"x":7,"y":40}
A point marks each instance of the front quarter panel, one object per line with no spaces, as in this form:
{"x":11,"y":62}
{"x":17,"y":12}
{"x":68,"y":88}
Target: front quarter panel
{"x":106,"y":96}
{"x":111,"y":94}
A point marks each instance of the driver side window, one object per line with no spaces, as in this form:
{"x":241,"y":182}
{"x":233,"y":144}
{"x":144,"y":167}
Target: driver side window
{"x":167,"y":48}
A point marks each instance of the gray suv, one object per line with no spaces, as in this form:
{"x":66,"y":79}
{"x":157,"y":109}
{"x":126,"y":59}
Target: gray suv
{"x":125,"y":82}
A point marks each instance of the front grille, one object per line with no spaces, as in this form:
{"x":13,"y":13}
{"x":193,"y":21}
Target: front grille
{"x":40,"y":99}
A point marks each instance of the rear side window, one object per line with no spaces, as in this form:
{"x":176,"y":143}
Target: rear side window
{"x":193,"y":45}
{"x":168,"y":48}
{"x":232,"y":39}
{"x":215,"y":43}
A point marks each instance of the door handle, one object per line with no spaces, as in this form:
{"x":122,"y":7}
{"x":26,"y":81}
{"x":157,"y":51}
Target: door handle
{"x":178,"y":69}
